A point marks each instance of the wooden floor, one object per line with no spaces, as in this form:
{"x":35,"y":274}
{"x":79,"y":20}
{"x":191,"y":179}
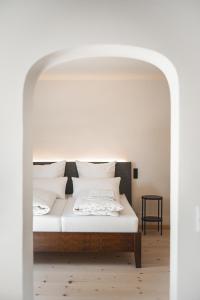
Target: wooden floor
{"x":109,"y":276}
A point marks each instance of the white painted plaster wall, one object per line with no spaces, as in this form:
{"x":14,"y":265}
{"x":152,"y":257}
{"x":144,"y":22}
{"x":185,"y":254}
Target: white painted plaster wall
{"x":108,"y":119}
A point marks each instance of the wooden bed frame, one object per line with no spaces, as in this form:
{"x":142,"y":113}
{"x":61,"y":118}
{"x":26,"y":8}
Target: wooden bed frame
{"x":65,"y":242}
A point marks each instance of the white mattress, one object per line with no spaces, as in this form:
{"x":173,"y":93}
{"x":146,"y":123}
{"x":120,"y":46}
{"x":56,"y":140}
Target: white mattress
{"x":126,"y":222}
{"x":51,"y":221}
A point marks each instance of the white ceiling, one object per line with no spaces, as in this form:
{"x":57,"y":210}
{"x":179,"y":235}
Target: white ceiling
{"x":102,"y":68}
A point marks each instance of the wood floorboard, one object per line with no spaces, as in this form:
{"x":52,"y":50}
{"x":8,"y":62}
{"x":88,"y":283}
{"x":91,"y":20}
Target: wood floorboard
{"x":105,"y":276}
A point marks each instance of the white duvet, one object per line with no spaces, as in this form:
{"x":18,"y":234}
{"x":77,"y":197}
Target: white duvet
{"x":98,"y":203}
{"x":43,"y":202}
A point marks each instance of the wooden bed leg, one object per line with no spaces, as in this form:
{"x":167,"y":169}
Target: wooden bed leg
{"x":137,"y":250}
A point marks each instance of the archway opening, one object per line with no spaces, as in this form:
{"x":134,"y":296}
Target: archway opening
{"x":123,"y":52}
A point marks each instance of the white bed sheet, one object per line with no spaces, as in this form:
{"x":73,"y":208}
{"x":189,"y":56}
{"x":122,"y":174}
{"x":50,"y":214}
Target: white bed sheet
{"x":126,"y":222}
{"x":51,"y":221}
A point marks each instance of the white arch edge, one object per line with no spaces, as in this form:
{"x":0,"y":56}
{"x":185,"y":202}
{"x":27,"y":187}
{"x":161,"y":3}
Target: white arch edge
{"x":168,"y":69}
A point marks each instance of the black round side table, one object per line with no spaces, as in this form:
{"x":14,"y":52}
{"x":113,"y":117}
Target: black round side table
{"x":147,"y":218}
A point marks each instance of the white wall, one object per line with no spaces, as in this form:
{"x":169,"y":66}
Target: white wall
{"x":107,"y":119}
{"x":31,"y":30}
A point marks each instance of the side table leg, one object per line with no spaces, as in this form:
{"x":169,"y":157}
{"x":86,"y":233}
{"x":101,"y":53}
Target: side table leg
{"x":161,"y":216}
{"x":142,"y":215}
{"x":158,"y":215}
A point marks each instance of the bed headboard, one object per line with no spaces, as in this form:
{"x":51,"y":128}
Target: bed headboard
{"x":122,"y":169}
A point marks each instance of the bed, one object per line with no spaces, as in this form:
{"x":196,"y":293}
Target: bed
{"x":63,"y":231}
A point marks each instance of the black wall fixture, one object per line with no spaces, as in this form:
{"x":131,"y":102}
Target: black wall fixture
{"x":135,"y":173}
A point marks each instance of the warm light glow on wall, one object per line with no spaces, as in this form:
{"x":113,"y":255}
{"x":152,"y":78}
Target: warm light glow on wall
{"x":102,"y":159}
{"x":89,"y":159}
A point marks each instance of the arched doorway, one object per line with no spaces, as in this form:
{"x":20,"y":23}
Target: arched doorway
{"x":121,"y":51}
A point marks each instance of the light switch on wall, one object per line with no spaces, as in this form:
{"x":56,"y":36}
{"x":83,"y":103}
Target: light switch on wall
{"x":197,"y":216}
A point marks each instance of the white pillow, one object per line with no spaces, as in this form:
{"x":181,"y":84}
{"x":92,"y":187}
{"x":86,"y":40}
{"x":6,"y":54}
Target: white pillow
{"x":53,"y":170}
{"x":42,"y":195}
{"x":55,"y":185}
{"x":82,"y":187}
{"x":91,"y":170}
{"x":43,"y":202}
